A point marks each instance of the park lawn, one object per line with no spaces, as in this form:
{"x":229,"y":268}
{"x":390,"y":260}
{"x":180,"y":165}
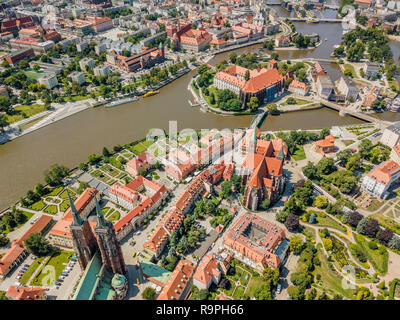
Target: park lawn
{"x":393,"y":84}
{"x":244,"y":276}
{"x":110,"y":170}
{"x":329,"y":222}
{"x":76,"y":98}
{"x":38,"y":206}
{"x":348,"y":142}
{"x":299,"y":102}
{"x":299,"y":153}
{"x":138,"y":148}
{"x":231,"y":289}
{"x":58,"y":260}
{"x":33,"y":74}
{"x":375,"y":205}
{"x":379,"y":261}
{"x":351,"y":68}
{"x":51,"y":209}
{"x":29,"y":111}
{"x":330,"y":281}
{"x":115,"y":216}
{"x":64,"y":206}
{"x":254,"y":283}
{"x":55,"y":191}
{"x":387,"y":222}
{"x":239,"y":291}
{"x":31,"y":270}
{"x":147,"y":143}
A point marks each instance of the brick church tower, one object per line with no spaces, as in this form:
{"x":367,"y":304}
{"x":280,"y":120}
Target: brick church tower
{"x":83,"y":239}
{"x":108,"y":244}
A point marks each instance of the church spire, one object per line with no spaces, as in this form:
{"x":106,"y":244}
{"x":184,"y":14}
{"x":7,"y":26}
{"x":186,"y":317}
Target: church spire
{"x":76,"y":219}
{"x":100,"y":219}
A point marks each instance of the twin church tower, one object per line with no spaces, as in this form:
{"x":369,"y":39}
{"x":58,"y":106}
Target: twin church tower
{"x":86,"y":243}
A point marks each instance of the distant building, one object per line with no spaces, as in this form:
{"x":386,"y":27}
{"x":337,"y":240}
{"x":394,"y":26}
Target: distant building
{"x":363,"y":3}
{"x":377,"y":182}
{"x":391,"y":135}
{"x":101,"y":71}
{"x":325,"y":87}
{"x":49,"y":80}
{"x":16,"y":56}
{"x":348,"y":88}
{"x":282,"y":41}
{"x":371,"y":69}
{"x":100,"y":48}
{"x":325,"y":145}
{"x":195,"y":40}
{"x":86,"y":64}
{"x":78,"y":77}
{"x":80,"y":46}
{"x":141,"y":162}
{"x":256,"y":242}
{"x":299,"y":88}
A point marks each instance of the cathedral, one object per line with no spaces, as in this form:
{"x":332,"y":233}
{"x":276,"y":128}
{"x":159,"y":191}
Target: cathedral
{"x":89,"y":237}
{"x":262,"y":171}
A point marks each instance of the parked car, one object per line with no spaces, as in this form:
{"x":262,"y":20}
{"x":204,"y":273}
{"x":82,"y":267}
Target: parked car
{"x":278,"y":288}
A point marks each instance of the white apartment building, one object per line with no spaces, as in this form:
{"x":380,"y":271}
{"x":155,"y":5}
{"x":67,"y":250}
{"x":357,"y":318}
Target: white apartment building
{"x":377,"y":182}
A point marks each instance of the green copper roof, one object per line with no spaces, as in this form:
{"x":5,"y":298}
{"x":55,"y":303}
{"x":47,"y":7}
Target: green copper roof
{"x":89,"y":279}
{"x":118,"y":280}
{"x":154,"y":271}
{"x":77,"y":221}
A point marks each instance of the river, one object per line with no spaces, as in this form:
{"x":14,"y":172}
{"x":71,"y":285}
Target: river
{"x":70,"y":141}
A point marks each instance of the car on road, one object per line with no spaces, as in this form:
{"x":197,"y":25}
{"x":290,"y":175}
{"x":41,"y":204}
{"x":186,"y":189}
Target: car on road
{"x":18,"y":277}
{"x":134,"y":254}
{"x":278,"y":288}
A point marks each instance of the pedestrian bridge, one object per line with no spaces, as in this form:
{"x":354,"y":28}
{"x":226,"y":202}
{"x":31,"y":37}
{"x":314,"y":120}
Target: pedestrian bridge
{"x":343,"y":111}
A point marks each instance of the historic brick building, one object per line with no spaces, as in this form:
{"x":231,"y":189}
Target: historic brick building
{"x":104,"y":238}
{"x":262,"y":171}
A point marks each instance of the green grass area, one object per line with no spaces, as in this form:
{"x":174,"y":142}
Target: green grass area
{"x":23,"y":112}
{"x":64,"y":206}
{"x":31,"y":270}
{"x":38,"y":206}
{"x":52,"y":209}
{"x":138,"y":148}
{"x":55,"y":191}
{"x":351,"y":68}
{"x":330,"y":280}
{"x":329,"y":222}
{"x":387,"y":222}
{"x":76,"y":98}
{"x":378,"y":260}
{"x":299,"y":153}
{"x":58,"y":260}
{"x":348,"y":142}
{"x":33,"y":74}
{"x":375,"y":205}
{"x":238,"y":293}
{"x":114,"y":217}
{"x":147,"y":143}
{"x":110,"y":170}
{"x":299,"y":102}
{"x":393,"y":85}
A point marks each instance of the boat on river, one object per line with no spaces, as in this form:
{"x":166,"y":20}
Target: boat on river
{"x":150,"y":93}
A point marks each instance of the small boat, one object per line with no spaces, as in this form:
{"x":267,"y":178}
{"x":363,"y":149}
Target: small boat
{"x":326,"y":39}
{"x":120,"y":101}
{"x":150,"y":93}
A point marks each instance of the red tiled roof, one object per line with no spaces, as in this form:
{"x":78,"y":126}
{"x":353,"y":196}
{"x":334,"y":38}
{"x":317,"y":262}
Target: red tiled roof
{"x":24,"y":293}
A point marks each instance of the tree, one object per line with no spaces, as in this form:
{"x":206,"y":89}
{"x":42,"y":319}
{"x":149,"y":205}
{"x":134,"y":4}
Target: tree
{"x":296,"y":293}
{"x":344,"y":156}
{"x":327,"y":243}
{"x":272,"y":108}
{"x":247,"y":75}
{"x":83,"y":166}
{"x":362,"y":225}
{"x":265,"y":204}
{"x":394,"y":243}
{"x":38,"y":245}
{"x":226,"y":188}
{"x":55,"y":174}
{"x":148,"y":293}
{"x":271,"y":276}
{"x":385,"y":236}
{"x":39,"y":189}
{"x":326,"y":166}
{"x":320,"y":202}
{"x":372,"y":228}
{"x":106,"y":153}
{"x":253,"y":104}
{"x":364,"y":148}
{"x":355,"y":218}
{"x":3,"y":122}
{"x":4,"y":241}
{"x":363,"y":293}
{"x":296,"y":244}
{"x":292,"y":222}
{"x":310,"y":171}
{"x":313,"y":218}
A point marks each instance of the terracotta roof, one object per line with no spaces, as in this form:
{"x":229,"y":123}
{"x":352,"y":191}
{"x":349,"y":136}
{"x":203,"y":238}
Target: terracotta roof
{"x":178,"y":280}
{"x":207,"y":268}
{"x":262,"y":81}
{"x":384,"y":172}
{"x":24,"y":293}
